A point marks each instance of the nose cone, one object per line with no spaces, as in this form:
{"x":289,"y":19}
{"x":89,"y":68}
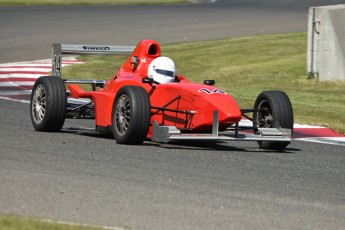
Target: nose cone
{"x":228,"y":110}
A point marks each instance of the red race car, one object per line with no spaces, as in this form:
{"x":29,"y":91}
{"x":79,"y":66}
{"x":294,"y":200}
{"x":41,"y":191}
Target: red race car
{"x":147,"y":100}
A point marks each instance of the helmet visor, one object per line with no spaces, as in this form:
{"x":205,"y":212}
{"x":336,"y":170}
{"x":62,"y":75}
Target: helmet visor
{"x":165,"y":72}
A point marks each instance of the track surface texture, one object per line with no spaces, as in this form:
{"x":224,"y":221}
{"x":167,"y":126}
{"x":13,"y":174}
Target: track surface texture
{"x":80,"y":176}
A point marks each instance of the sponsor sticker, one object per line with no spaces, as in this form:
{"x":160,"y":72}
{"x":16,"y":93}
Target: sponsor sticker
{"x":214,"y":91}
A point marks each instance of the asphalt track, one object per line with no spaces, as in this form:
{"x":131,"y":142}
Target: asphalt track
{"x":80,"y":176}
{"x":28,"y":32}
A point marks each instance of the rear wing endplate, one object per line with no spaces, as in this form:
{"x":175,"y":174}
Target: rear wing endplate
{"x":60,"y":49}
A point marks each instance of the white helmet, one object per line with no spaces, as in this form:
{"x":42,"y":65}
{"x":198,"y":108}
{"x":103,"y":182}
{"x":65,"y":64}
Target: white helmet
{"x":162,"y":70}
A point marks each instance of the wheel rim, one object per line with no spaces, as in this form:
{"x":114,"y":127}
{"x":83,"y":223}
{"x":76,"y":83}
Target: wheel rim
{"x":122,"y":115}
{"x":264,"y":115}
{"x":39,"y":104}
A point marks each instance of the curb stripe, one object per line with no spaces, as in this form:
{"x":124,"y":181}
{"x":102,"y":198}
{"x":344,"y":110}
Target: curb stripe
{"x":16,"y":83}
{"x":23,"y":75}
{"x":15,"y":88}
{"x":22,"y":72}
{"x":325,"y":140}
{"x":315,"y":132}
{"x":19,"y":79}
{"x":17,"y":92}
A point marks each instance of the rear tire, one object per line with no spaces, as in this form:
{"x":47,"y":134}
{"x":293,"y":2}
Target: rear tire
{"x":48,"y":104}
{"x":131,"y":115}
{"x":274,"y":111}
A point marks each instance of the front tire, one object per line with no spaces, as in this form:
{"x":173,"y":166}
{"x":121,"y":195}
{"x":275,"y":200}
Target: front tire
{"x":273,"y":110}
{"x":48,"y":104}
{"x":131,"y":115}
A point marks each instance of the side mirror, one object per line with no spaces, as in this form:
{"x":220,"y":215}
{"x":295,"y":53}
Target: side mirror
{"x":209,"y":82}
{"x":147,"y":80}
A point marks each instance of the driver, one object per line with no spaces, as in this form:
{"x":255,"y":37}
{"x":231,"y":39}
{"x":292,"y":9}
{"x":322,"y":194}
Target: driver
{"x":162,"y":70}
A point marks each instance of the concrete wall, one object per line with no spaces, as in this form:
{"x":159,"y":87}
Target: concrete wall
{"x":326,"y":42}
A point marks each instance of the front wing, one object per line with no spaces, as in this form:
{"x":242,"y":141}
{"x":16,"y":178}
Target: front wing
{"x":164,"y":134}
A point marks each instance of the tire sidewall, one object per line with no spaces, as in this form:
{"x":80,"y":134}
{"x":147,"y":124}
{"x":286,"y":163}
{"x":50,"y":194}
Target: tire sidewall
{"x":282,"y":113}
{"x":118,"y":137}
{"x":274,"y":102}
{"x":139,"y":115}
{"x":56,"y":104}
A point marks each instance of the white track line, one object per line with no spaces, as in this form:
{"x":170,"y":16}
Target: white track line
{"x":12,"y":93}
{"x":26,"y":69}
{"x":22,"y":75}
{"x":17,"y":83}
{"x":325,"y":140}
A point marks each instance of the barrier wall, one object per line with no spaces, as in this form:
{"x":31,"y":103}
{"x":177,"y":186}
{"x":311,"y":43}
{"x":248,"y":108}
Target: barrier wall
{"x":326,"y":43}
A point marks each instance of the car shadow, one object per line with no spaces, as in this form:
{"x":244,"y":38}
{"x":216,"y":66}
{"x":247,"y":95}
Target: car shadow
{"x":218,"y":146}
{"x":90,"y":132}
{"x":181,"y":144}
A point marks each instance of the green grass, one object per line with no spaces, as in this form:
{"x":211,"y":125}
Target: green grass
{"x":244,"y":67}
{"x":21,"y":223}
{"x":85,"y":2}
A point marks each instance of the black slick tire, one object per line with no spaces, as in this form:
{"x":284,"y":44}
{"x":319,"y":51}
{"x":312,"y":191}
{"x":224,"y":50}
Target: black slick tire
{"x":274,"y":110}
{"x":131,"y":115}
{"x":48,"y":104}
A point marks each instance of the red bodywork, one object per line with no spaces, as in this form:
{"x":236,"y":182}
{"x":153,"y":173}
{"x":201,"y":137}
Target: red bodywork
{"x":183,"y":104}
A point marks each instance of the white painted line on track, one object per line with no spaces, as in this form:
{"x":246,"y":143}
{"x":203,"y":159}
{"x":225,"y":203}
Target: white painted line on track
{"x":325,"y":140}
{"x":26,"y":69}
{"x":46,"y":62}
{"x":17,"y":83}
{"x":22,"y":75}
{"x":19,"y":92}
{"x":16,"y":100}
{"x":36,"y":65}
{"x":299,"y":126}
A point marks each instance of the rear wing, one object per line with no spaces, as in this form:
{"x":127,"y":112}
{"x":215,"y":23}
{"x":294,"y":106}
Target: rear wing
{"x":60,"y":49}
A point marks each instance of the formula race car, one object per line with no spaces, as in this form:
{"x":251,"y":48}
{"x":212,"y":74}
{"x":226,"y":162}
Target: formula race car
{"x":146,"y":100}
